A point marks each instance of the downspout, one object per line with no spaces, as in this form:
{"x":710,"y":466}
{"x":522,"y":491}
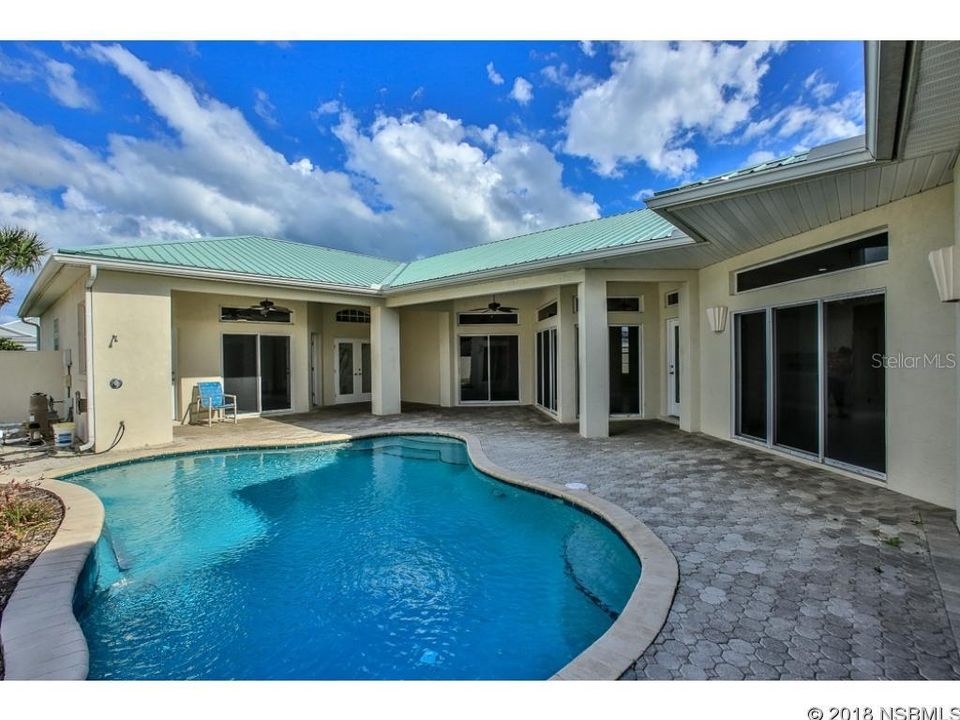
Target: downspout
{"x":88,"y":343}
{"x":26,"y":321}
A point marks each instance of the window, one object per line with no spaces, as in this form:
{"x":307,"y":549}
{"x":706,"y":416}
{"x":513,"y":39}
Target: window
{"x":547,"y":312}
{"x":81,"y":338}
{"x":497,"y":318}
{"x":489,"y":368}
{"x":672,"y":298}
{"x":56,"y":333}
{"x":844,"y":256}
{"x":807,"y":380}
{"x":255,"y":314}
{"x":353,"y":315}
{"x":624,"y":304}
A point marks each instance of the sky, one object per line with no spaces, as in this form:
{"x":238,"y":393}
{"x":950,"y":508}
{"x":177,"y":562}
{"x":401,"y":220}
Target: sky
{"x":399,"y":149}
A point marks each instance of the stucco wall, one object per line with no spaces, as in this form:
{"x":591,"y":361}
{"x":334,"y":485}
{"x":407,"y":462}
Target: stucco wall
{"x":131,"y":342}
{"x":199,"y":332}
{"x":420,"y":356}
{"x":921,"y":403}
{"x":23,"y":373}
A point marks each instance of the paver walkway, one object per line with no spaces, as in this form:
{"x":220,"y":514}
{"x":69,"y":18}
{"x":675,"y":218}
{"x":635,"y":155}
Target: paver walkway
{"x":786,"y":571}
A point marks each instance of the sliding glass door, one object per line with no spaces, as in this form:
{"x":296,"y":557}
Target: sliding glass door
{"x":489,"y":368}
{"x":624,"y":358}
{"x":751,"y":374}
{"x":547,"y":369}
{"x":796,"y":376}
{"x":806,"y":380}
{"x":855,"y":393}
{"x":256,"y":368}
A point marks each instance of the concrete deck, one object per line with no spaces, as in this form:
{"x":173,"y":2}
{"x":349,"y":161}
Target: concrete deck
{"x":786,"y":571}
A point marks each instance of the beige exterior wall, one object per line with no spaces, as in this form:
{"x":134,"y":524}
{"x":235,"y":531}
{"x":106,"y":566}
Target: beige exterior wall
{"x":422,"y":354}
{"x":131,"y":343}
{"x":921,"y":403}
{"x":23,"y":373}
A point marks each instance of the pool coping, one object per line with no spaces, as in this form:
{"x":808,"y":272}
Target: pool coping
{"x":43,"y":640}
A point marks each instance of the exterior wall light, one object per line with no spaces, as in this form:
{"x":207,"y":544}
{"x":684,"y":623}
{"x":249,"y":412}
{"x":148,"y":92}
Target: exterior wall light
{"x":945,"y":274}
{"x":717,"y":317}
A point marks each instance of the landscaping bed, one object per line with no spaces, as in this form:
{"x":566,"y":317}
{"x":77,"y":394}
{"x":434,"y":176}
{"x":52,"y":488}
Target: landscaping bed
{"x":29,"y":518}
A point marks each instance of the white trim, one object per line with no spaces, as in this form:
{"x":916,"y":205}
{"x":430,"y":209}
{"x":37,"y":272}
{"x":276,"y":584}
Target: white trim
{"x":673,"y":323}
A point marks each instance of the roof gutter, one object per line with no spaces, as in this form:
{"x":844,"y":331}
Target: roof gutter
{"x":47,"y":275}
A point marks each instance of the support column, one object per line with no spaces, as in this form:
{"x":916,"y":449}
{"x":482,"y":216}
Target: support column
{"x":444,"y":345}
{"x":594,"y":341}
{"x":568,"y":340}
{"x":691,"y":315}
{"x":385,"y":359}
{"x":956,"y":270}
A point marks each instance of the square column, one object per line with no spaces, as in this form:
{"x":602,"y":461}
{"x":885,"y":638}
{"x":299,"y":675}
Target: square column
{"x":594,"y":342}
{"x":567,"y":340}
{"x":385,"y":360}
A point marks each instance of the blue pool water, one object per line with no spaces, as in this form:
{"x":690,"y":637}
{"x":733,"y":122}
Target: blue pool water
{"x":389,"y":558}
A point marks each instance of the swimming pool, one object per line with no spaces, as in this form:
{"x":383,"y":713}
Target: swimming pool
{"x":383,"y":558}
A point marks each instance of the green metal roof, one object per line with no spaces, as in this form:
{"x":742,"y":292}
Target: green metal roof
{"x":267,"y":257}
{"x":254,"y":255}
{"x":632,"y":228}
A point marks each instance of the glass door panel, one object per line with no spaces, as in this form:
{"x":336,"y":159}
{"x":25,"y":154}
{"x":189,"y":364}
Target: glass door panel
{"x":797,"y":373}
{"x":504,"y":368}
{"x":344,"y":368}
{"x":366,"y":369}
{"x":274,"y":373}
{"x":474,"y":385}
{"x":240,"y":375}
{"x":855,"y":402}
{"x":624,"y":370}
{"x":547,"y":369}
{"x":751,"y":374}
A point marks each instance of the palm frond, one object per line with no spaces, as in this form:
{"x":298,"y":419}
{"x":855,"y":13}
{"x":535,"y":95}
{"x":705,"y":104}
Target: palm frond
{"x":21,"y":251}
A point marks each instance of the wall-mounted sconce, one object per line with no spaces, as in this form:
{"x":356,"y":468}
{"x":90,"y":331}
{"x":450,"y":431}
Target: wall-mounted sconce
{"x":717,"y":317}
{"x":944,"y":274}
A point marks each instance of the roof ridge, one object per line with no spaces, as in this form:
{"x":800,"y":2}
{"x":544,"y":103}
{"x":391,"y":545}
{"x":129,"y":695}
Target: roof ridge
{"x":533,"y":232}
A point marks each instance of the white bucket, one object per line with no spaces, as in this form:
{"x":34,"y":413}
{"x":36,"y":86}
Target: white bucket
{"x":62,"y":434}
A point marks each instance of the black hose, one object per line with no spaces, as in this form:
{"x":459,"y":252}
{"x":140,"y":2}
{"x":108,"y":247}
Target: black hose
{"x":121,"y":429}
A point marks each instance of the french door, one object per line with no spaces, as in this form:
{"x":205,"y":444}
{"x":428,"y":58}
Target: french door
{"x":547,"y":369}
{"x":625,"y":368}
{"x":352,"y":372}
{"x":673,"y":367}
{"x":807,"y":380}
{"x":256,"y":368}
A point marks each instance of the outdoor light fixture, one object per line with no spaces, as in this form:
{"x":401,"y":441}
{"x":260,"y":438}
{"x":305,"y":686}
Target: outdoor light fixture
{"x":941,"y":264}
{"x":717,"y":317}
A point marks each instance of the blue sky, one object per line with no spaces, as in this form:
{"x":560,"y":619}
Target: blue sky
{"x":398,"y":149}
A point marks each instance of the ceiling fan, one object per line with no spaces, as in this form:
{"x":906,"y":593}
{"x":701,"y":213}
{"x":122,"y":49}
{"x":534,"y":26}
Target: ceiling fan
{"x":494,"y":307}
{"x":266,"y":307}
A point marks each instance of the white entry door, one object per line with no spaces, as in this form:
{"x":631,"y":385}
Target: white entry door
{"x":352,"y":374}
{"x":673,"y":367}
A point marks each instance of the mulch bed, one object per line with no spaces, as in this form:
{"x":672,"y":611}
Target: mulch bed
{"x":13,"y":564}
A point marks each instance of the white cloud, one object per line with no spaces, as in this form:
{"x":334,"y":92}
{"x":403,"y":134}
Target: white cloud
{"x":561,"y":75}
{"x":659,"y":96}
{"x":495,"y":77}
{"x":425,"y":168}
{"x":643,"y":195}
{"x":587,"y":47}
{"x":59,"y":78}
{"x":426,"y":182}
{"x":330,"y":107}
{"x":818,"y":87}
{"x":759,"y":157}
{"x":522,"y":91}
{"x":807,"y":126}
{"x":417,"y":94}
{"x":264,"y":108}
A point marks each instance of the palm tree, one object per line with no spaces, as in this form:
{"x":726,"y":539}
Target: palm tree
{"x":21,"y":251}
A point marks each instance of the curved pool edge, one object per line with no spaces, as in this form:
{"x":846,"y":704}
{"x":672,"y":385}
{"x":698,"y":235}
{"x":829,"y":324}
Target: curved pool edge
{"x":41,"y":637}
{"x":46,"y":642}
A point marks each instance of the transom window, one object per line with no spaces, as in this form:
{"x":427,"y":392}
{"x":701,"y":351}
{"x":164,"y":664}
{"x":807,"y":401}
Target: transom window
{"x":624,"y":304}
{"x":547,"y":312}
{"x":672,"y":298}
{"x":353,"y":315}
{"x":494,"y":318}
{"x":843,"y":256}
{"x":255,"y":314}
